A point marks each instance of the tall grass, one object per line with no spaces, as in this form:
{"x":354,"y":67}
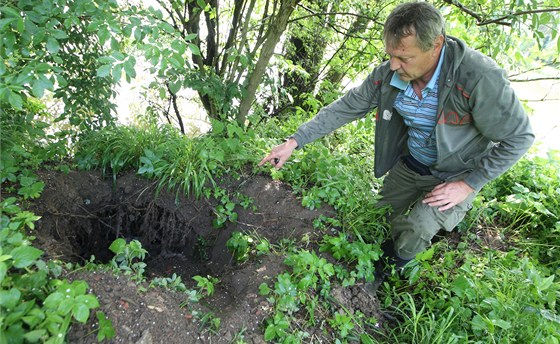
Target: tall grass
{"x":177,"y":162}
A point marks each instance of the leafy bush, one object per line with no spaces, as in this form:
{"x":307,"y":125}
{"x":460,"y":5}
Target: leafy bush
{"x":35,"y":306}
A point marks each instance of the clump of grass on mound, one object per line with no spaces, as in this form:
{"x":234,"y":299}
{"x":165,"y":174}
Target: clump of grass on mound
{"x":162,"y":153}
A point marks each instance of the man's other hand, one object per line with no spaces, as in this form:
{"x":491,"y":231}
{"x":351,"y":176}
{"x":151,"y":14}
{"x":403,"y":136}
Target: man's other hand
{"x":447,"y":195}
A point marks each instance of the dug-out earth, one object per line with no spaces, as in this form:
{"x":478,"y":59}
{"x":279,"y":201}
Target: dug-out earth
{"x":82,"y":213}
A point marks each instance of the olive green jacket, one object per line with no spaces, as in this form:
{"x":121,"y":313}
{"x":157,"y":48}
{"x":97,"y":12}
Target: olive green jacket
{"x":481,"y":130}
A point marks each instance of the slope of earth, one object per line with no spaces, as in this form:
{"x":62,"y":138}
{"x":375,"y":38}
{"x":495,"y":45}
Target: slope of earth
{"x":83,"y":213}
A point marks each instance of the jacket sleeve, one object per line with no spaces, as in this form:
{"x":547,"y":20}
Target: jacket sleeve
{"x":355,"y":104}
{"x":499,"y":116}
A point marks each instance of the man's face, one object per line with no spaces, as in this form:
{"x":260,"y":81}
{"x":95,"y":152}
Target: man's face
{"x":410,"y":62}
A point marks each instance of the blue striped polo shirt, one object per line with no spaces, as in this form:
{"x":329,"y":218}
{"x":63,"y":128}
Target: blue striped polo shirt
{"x":420,"y":115}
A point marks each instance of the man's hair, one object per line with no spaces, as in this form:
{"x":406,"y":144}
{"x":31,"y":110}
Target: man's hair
{"x":414,"y":18}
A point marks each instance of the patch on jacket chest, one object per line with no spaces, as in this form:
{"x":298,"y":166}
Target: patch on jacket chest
{"x":453,"y":118}
{"x":387,"y":115}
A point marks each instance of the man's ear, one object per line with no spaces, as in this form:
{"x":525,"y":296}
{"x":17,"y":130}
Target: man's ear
{"x":438,"y":44}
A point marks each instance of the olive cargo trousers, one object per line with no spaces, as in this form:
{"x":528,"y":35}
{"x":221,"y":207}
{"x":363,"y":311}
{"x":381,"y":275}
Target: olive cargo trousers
{"x":413,"y":223}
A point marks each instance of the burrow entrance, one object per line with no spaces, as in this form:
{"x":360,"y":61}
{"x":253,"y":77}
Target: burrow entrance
{"x":90,"y":213}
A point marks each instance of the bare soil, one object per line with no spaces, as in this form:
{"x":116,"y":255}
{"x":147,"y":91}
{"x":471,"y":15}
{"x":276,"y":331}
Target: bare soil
{"x":82,"y":213}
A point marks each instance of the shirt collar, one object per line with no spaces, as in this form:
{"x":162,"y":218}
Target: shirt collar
{"x":402,"y":85}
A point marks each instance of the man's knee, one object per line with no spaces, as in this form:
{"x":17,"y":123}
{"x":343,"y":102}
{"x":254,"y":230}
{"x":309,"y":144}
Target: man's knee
{"x":409,"y":243}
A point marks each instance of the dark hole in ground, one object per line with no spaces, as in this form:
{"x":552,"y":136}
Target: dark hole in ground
{"x":177,"y":234}
{"x":188,"y":256}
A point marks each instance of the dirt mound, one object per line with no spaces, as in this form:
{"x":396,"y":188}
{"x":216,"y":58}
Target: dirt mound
{"x":83,"y":213}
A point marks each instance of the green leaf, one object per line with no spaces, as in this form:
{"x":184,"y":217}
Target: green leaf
{"x":118,"y":246}
{"x":6,"y":21}
{"x":10,"y":11}
{"x":426,"y":255}
{"x":40,"y":85}
{"x":506,"y":325}
{"x":89,"y":300}
{"x":15,"y":100}
{"x":366,"y":339}
{"x":32,"y":191}
{"x":3,"y":271}
{"x":190,"y":36}
{"x":175,"y":86}
{"x":80,"y":312}
{"x":35,"y":336}
{"x":104,"y":71}
{"x":270,"y":332}
{"x":460,"y":285}
{"x":53,"y":46}
{"x":106,"y":330}
{"x":25,"y":255}
{"x":264,"y":289}
{"x":9,"y":298}
{"x":59,"y":34}
{"x":194,"y":49}
{"x":129,"y":69}
{"x":166,"y":27}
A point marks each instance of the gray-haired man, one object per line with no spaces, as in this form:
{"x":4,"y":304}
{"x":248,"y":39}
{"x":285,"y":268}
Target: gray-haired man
{"x":447,"y":123}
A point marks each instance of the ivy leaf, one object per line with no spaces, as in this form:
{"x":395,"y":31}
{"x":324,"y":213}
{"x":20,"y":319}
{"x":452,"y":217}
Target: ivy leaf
{"x":24,"y":256}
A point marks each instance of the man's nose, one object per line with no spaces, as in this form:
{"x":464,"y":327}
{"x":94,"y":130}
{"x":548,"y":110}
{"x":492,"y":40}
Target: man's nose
{"x":394,"y":64}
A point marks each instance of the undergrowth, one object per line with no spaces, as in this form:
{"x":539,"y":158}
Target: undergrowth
{"x":456,"y":292}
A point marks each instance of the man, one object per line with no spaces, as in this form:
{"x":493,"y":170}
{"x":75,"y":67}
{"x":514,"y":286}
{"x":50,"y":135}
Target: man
{"x":447,"y":123}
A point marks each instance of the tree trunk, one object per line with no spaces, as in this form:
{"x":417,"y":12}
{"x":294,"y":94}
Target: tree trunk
{"x":277,"y":27}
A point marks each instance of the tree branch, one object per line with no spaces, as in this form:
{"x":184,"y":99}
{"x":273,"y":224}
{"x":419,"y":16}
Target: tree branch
{"x":534,"y":79}
{"x":499,"y":20}
{"x":470,"y":12}
{"x":480,"y":21}
{"x":320,"y":14}
{"x":173,"y":99}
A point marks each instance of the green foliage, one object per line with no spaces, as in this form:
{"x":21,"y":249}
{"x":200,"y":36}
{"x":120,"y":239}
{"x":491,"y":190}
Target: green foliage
{"x":363,"y":255}
{"x":174,"y":282}
{"x":239,"y":245}
{"x":34,"y":305}
{"x":517,"y":34}
{"x":189,"y":165}
{"x":129,"y":258}
{"x":57,"y":46}
{"x":25,"y":144}
{"x":498,"y":298}
{"x":207,"y":284}
{"x":525,"y":202}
